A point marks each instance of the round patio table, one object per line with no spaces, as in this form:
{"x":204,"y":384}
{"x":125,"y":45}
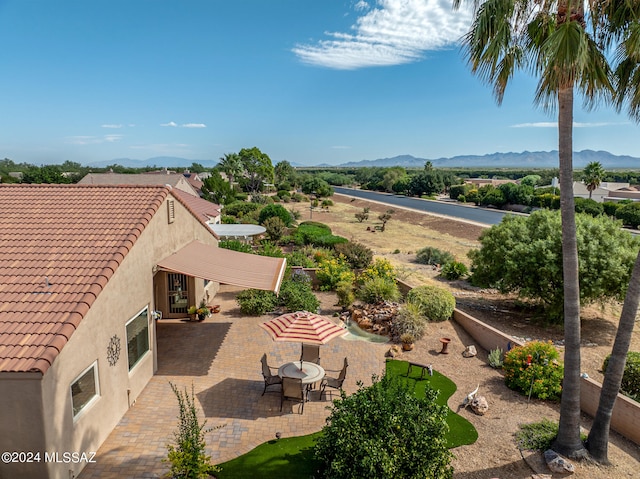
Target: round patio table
{"x":309,"y":373}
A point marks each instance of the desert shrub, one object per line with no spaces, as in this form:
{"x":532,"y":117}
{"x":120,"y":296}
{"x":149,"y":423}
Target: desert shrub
{"x":454,"y":270}
{"x":631,"y":378}
{"x":298,"y":258}
{"x":326,"y":203}
{"x":610,"y":208}
{"x":267,"y":248}
{"x":296,"y":295}
{"x":295,"y":213}
{"x":362,"y":215}
{"x":589,"y":206}
{"x":537,"y":436}
{"x":309,"y":231}
{"x":455,"y":191}
{"x":409,"y":320}
{"x":256,"y":302}
{"x":275,"y":228}
{"x":374,"y":290}
{"x":228,"y":220}
{"x":240,"y":208}
{"x":250,"y":218}
{"x":298,"y":197}
{"x":284,"y":194}
{"x":385,"y":431}
{"x":273,"y":210}
{"x":496,"y":358}
{"x":187,"y":456}
{"x":356,"y":254}
{"x":436,"y":303}
{"x":330,"y":272}
{"x":462,"y":198}
{"x":534,"y":370}
{"x":329,"y":241}
{"x":319,"y":254}
{"x":380,"y":268}
{"x":431,"y":255}
{"x":345,"y":293}
{"x":235,"y":245}
{"x":629,"y":214}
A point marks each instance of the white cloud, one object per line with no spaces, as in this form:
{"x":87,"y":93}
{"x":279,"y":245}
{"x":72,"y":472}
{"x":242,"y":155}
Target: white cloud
{"x":194,"y":125}
{"x":396,"y":32}
{"x":171,"y":123}
{"x":92,"y":140}
{"x":553,"y":124}
{"x":111,"y":126}
{"x":362,"y":5}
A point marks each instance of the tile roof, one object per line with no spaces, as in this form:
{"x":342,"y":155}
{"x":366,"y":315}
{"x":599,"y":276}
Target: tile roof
{"x":202,"y":209}
{"x":150,"y":178}
{"x":59,"y":245}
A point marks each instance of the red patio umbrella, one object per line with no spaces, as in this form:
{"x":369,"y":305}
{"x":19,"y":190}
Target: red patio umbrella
{"x":303,"y":326}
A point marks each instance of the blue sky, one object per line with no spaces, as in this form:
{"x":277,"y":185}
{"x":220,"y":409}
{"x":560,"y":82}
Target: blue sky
{"x":307,"y":81}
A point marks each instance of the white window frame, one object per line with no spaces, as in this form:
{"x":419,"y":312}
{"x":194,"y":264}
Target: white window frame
{"x":134,"y":365}
{"x":96,"y":396}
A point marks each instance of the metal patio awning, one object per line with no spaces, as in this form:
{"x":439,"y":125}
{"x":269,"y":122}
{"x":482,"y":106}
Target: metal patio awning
{"x":225,"y":266}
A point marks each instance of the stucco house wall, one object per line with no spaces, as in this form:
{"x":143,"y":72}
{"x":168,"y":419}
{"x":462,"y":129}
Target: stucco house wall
{"x":42,"y":409}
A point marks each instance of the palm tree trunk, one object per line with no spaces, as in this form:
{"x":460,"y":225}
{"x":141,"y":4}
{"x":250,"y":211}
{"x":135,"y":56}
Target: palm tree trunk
{"x":598,"y":440}
{"x":568,"y":442}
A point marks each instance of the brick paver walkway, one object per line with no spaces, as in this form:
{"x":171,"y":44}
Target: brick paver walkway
{"x":221,"y":358}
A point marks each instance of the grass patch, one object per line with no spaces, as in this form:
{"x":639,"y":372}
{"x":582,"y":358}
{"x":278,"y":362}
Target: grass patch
{"x":287,"y":458}
{"x":461,"y":431}
{"x":292,"y":458}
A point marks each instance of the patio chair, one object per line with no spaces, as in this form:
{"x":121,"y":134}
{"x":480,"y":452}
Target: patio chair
{"x":293,"y":390}
{"x":335,"y":383}
{"x":270,"y":379}
{"x":310,"y":353}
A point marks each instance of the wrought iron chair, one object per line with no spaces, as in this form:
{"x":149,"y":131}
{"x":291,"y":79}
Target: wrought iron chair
{"x":334,"y":383}
{"x":293,"y":390}
{"x":270,"y":379}
{"x":310,"y":353}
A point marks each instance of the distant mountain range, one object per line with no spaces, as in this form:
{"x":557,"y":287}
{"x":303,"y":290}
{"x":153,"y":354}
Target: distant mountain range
{"x":526,"y":160}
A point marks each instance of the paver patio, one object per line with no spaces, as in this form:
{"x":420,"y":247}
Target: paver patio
{"x":221,"y":358}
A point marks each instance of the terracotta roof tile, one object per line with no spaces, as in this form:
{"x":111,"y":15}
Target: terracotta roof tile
{"x":60,"y":244}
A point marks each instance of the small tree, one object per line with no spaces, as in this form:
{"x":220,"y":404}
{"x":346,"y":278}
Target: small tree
{"x":384,"y":217}
{"x":187,"y":456}
{"x":363,"y":215}
{"x":275,"y":228}
{"x":385,"y":431}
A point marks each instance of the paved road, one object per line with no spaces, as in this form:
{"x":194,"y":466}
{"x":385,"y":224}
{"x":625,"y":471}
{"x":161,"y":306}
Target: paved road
{"x":477,"y":215}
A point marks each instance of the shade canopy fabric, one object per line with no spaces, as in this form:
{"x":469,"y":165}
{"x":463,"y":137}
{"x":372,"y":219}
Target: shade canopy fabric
{"x":304,"y":327}
{"x":225,"y":266}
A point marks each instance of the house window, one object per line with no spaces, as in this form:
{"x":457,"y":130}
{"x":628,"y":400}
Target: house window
{"x":137,"y":338}
{"x":84,"y":389}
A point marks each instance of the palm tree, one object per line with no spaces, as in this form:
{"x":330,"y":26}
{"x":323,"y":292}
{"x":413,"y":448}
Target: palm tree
{"x":620,"y":23}
{"x":592,"y":176}
{"x":231,"y":165}
{"x":549,"y":38}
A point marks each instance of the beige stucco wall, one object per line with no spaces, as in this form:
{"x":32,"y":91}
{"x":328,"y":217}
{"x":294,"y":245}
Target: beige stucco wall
{"x":20,"y":412}
{"x":128,"y":291}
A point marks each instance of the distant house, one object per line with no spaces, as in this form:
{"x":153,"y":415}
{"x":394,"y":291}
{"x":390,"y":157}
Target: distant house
{"x":85,"y":273}
{"x":163,"y":177}
{"x":606,"y":191}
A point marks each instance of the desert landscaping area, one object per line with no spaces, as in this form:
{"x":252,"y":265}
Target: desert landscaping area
{"x":495,"y":453}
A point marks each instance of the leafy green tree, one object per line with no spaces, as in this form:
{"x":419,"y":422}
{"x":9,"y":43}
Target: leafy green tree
{"x":316,"y":186}
{"x":283,"y":171}
{"x":45,"y":174}
{"x":257,"y":168}
{"x":531,"y":180}
{"x":524,"y":255}
{"x":391,"y":176}
{"x":385,"y":431}
{"x":592,"y":176}
{"x":217,"y":190}
{"x":428,"y":182}
{"x":550,"y":39}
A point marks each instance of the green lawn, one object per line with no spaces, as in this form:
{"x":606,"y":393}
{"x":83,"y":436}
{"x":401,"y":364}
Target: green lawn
{"x":292,"y":458}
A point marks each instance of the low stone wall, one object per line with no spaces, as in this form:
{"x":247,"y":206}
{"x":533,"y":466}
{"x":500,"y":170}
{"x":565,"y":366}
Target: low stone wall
{"x":626,"y":413}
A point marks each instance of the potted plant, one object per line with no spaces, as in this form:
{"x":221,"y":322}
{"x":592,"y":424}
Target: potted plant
{"x":407,"y":340}
{"x":199,"y":312}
